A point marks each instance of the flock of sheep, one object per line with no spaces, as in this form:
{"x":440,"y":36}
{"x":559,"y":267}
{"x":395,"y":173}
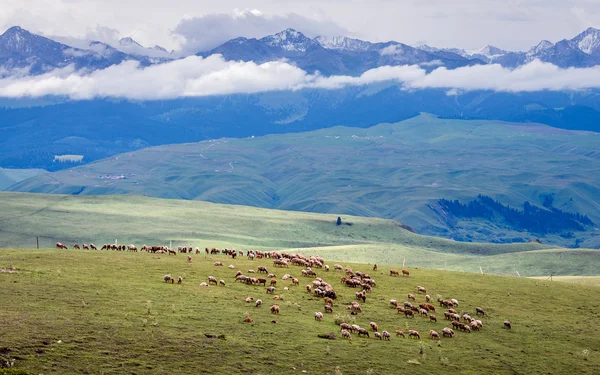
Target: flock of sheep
{"x":350,"y":279}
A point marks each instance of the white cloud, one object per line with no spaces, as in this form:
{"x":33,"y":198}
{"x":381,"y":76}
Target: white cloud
{"x":208,"y":31}
{"x":391,"y":50}
{"x":195,"y":76}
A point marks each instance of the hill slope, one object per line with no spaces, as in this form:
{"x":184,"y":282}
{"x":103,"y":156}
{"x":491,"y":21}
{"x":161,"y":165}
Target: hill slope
{"x":111,"y":312}
{"x":396,"y":171}
{"x":139,"y":220}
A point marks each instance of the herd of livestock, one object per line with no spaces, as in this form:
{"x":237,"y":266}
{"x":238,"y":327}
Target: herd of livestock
{"x":321,"y":289}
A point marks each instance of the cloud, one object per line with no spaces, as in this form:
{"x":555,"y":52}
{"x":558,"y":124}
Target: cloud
{"x":390,"y":50}
{"x":208,"y":31}
{"x":196,"y":76}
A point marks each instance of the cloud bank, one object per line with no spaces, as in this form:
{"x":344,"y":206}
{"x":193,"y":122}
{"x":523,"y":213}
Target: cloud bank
{"x":196,"y":76}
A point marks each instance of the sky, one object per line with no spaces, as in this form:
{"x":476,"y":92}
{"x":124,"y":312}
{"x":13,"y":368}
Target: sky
{"x":189,"y":26}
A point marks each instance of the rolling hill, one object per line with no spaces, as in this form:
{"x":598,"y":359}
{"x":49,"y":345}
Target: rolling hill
{"x":139,"y":220}
{"x":398,"y":171}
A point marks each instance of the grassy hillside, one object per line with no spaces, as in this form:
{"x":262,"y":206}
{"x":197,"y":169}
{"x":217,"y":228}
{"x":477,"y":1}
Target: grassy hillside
{"x":74,"y":312}
{"x":392,"y":171}
{"x":139,"y":220}
{"x":9,"y":177}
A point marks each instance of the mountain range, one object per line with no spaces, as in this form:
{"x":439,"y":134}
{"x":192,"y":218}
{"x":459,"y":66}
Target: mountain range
{"x":21,"y":49}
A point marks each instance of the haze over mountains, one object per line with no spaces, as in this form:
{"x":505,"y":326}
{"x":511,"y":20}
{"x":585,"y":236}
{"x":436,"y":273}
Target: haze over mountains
{"x":328,"y":55}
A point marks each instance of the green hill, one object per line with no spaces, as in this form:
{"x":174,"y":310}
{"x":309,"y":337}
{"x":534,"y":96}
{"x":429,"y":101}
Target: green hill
{"x":108,"y":312}
{"x":9,"y":177}
{"x":134,"y":219}
{"x":396,"y":171}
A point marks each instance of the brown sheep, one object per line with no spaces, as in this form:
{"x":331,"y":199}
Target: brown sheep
{"x":410,"y":296}
{"x":346,"y":334}
{"x":374,"y":326}
{"x":93,"y":247}
{"x":400,"y":333}
{"x":273,"y":282}
{"x":328,"y":301}
{"x":394,"y":273}
{"x":76,"y":246}
{"x":345,"y":326}
{"x":218,"y":264}
{"x":447,"y":332}
{"x":85,"y":246}
{"x":328,"y":309}
{"x":261,"y":281}
{"x":479,"y":311}
{"x":405,"y":273}
{"x":274,"y":309}
{"x":434,"y":334}
{"x":394,"y":303}
{"x":507,"y":324}
{"x":308,"y":288}
{"x":412,"y":333}
{"x":432,"y":318}
{"x":363,"y":332}
{"x":409,"y":313}
{"x":248,"y":320}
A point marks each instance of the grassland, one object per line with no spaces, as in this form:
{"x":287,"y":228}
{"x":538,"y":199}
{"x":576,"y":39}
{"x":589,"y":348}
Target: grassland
{"x":73,"y":312}
{"x":133,"y":219}
{"x":391,"y":171}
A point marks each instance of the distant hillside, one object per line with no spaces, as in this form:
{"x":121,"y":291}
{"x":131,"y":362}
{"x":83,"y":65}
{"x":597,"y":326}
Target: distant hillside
{"x":139,"y":220}
{"x":10,"y":177}
{"x":398,"y":171}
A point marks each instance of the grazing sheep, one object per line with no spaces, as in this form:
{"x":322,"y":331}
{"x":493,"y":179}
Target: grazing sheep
{"x":474,"y":325}
{"x":400,"y":333}
{"x":212,"y":279}
{"x":467,"y":318}
{"x":328,"y":301}
{"x":275,"y":309}
{"x":432,"y":318}
{"x":421,"y":289}
{"x":93,"y":247}
{"x":203,"y":284}
{"x":328,"y":309}
{"x":386,"y":335}
{"x":447,"y":332}
{"x":394,"y":273}
{"x":424,"y":312}
{"x":479,"y":311}
{"x":346,"y":334}
{"x":249,"y":299}
{"x":251,"y":271}
{"x":222,"y":282}
{"x":355,"y":328}
{"x":378,"y":335}
{"x":363,"y":332}
{"x":405,"y":273}
{"x":295,"y":281}
{"x":218,"y":264}
{"x":248,"y":320}
{"x":189,"y":259}
{"x":258,"y":303}
{"x":179,"y":280}
{"x":412,"y":297}
{"x":308,"y":288}
{"x":374,"y":326}
{"x":454,"y":301}
{"x":273,"y":282}
{"x":167,"y":278}
{"x":434,"y":334}
{"x":327,"y":268}
{"x":427,"y":298}
{"x":375,"y":267}
{"x":466,"y":328}
{"x":345,"y":326}
{"x":507,"y":324}
{"x":318,"y":316}
{"x":76,"y":246}
{"x":270,"y":289}
{"x":408,"y":313}
{"x":394,"y":303}
{"x":412,"y":333}
{"x":231,"y":266}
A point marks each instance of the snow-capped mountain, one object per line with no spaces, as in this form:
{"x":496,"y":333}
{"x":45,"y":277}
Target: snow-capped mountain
{"x":588,"y":41}
{"x":344,"y":43}
{"x":289,"y":40}
{"x":132,"y":47}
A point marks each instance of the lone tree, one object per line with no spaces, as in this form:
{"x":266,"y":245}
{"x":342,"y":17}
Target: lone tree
{"x":339,"y":221}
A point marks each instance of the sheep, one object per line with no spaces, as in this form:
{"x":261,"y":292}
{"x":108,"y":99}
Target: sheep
{"x":167,"y":278}
{"x":408,"y":313}
{"x":363,"y":332}
{"x":421,"y":289}
{"x":179,"y":280}
{"x":189,"y":259}
{"x":258,"y":303}
{"x":273,"y":282}
{"x":405,"y":273}
{"x":275,"y":309}
{"x":427,"y":298}
{"x":355,"y":328}
{"x":346,"y":334}
{"x":375,"y":267}
{"x":479,"y":311}
{"x":474,"y":325}
{"x":394,"y":273}
{"x":212,"y":279}
{"x":218,"y":264}
{"x":270,"y":289}
{"x":222,"y":282}
{"x":326,"y":268}
{"x":454,"y":301}
{"x":412,"y":297}
{"x":248,"y":320}
{"x":447,"y":332}
{"x":386,"y":335}
{"x":507,"y":324}
{"x":231,"y":266}
{"x":432,"y":318}
{"x":378,"y":335}
{"x":345,"y":326}
{"x":467,"y":318}
{"x":249,"y":299}
{"x":328,"y":301}
{"x":394,"y":303}
{"x":318,"y":316}
{"x":408,"y":305}
{"x":295,"y":281}
{"x":434,"y":334}
{"x":412,"y":333}
{"x":400,"y":333}
{"x":328,"y":309}
{"x":251,"y":271}
{"x":423,"y":312}
{"x":203,"y":284}
{"x":374,"y":326}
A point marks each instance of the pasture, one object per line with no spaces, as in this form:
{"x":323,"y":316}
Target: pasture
{"x":108,"y":312}
{"x":138,"y":220}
